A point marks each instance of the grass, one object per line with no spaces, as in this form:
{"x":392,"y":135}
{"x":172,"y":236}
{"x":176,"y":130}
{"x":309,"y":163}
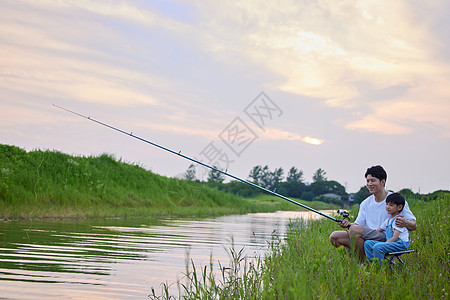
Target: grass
{"x":53,"y":185}
{"x":305,"y":266}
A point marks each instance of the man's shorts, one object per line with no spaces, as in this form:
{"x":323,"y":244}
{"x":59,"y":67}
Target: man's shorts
{"x":370,"y":234}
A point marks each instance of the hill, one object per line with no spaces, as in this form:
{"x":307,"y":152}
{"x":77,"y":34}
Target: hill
{"x":51,"y":184}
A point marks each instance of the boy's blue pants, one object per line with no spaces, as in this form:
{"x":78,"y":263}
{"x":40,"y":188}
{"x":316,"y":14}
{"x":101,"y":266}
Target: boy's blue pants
{"x":375,"y":249}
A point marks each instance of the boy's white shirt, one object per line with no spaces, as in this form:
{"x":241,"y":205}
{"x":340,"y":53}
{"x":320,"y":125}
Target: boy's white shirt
{"x":404,"y":232}
{"x":378,"y":214}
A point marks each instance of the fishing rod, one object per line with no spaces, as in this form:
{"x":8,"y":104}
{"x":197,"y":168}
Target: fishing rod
{"x":199,"y":162}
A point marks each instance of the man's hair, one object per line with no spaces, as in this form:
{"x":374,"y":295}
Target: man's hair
{"x":396,"y":198}
{"x":377,"y":172}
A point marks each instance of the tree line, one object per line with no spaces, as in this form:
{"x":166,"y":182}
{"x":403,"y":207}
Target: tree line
{"x":291,"y":185}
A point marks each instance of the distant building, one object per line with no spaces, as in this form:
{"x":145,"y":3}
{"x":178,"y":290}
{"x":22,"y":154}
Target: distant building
{"x":351,"y":199}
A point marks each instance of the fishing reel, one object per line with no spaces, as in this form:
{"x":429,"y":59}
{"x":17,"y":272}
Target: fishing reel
{"x":343,"y":213}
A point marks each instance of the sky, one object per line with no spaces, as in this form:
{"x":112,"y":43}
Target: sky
{"x":337,"y":85}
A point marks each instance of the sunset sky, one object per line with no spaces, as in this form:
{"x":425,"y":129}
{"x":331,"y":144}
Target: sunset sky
{"x":338,"y":85}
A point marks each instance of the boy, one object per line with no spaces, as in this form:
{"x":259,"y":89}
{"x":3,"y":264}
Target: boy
{"x":397,"y":239}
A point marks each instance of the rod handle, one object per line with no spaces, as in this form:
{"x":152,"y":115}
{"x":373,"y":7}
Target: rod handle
{"x":340,"y":221}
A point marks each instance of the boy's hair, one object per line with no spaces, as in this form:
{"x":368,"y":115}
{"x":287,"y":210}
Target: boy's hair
{"x":396,"y":198}
{"x":377,"y":172}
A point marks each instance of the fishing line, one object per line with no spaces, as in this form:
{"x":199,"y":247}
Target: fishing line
{"x":198,"y":162}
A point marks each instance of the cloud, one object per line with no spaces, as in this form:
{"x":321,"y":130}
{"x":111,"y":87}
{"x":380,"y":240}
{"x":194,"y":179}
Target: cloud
{"x":180,"y":126}
{"x":279,"y":134}
{"x":425,"y":106}
{"x":312,"y":141}
{"x":116,"y":9}
{"x":339,"y":52}
{"x":179,"y":129}
{"x":379,"y":124}
{"x":81,"y":80}
{"x":305,"y":43}
{"x":41,"y":59}
{"x":20,"y":115}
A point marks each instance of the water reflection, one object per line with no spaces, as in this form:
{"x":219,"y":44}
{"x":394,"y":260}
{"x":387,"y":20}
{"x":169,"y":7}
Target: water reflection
{"x":122,"y":258}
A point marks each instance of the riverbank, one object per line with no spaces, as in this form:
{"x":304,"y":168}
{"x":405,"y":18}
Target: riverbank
{"x":306,"y":266}
{"x":53,"y":185}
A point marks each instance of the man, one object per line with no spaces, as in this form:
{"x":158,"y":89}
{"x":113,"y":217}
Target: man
{"x":372,"y":214}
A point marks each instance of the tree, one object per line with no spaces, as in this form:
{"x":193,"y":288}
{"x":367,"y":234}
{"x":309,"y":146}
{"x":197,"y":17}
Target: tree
{"x":264,"y":177}
{"x":294,"y":175}
{"x":319,"y":188}
{"x":190,"y":173}
{"x":239,"y":188}
{"x":270,"y":180}
{"x":277,"y":177}
{"x":436,"y":194}
{"x":362,"y":194}
{"x":255,"y":174}
{"x":319,"y":175}
{"x":291,"y":189}
{"x":215,"y":176}
{"x":307,"y":196}
{"x":409,"y":194}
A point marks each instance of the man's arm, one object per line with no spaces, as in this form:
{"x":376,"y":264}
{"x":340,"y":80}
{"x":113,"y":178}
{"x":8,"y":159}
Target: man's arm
{"x":400,"y":221}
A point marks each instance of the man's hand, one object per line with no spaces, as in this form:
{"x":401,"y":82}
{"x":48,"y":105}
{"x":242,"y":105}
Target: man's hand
{"x":401,"y":222}
{"x":344,"y":224}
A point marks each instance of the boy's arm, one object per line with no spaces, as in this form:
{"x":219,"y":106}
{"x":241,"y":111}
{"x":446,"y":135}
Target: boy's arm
{"x":394,"y":238}
{"x":380,"y":229}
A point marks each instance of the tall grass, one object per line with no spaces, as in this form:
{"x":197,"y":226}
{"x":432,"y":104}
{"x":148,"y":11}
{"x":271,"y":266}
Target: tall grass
{"x":306,"y":266}
{"x":51,"y":184}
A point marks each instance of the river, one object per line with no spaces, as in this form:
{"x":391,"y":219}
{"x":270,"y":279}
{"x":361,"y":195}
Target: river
{"x":123,"y":258}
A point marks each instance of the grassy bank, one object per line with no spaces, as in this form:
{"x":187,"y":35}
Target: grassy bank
{"x":306,"y":266}
{"x":50,"y":184}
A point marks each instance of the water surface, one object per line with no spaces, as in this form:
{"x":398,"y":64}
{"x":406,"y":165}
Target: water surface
{"x":122,"y":258}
